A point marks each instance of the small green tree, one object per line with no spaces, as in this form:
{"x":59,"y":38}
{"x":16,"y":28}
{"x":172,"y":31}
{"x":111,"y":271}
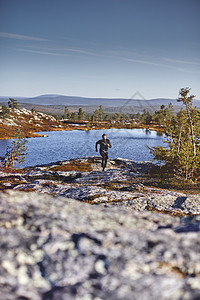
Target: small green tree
{"x":81,"y":114}
{"x":15,"y":154}
{"x":74,"y":116}
{"x":33,"y":110}
{"x":89,"y":117}
{"x":101,"y":113}
{"x":107,"y":117}
{"x":163,"y":115}
{"x":5,"y":112}
{"x":117,"y":116}
{"x":12,"y":103}
{"x":67,"y":113}
{"x":187,"y":100}
{"x":95,"y":115}
{"x":138,"y":116}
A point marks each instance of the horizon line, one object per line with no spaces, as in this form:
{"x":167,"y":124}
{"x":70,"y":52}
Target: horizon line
{"x":86,"y":97}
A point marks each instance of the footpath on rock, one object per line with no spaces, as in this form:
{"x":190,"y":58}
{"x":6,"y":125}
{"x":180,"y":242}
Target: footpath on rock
{"x":133,"y":242}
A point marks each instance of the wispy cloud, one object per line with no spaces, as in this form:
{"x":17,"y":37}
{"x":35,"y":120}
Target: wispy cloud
{"x":163,"y":65}
{"x":119,"y":54}
{"x":165,"y":62}
{"x":57,"y":51}
{"x":42,"y":52}
{"x":181,"y":61}
{"x":81,"y":51}
{"x":20,"y":37}
{"x":145,"y":62}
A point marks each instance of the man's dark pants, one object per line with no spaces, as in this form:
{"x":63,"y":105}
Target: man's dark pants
{"x":104,"y":159}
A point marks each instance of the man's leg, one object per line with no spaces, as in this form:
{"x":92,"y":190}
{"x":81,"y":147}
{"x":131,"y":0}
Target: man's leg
{"x":104,"y":160}
{"x":105,"y":163}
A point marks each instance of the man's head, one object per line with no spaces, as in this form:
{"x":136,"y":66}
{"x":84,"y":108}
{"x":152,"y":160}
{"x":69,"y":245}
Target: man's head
{"x":104,"y":136}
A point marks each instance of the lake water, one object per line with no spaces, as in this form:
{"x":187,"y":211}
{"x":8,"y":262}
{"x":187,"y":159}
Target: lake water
{"x":61,"y":145}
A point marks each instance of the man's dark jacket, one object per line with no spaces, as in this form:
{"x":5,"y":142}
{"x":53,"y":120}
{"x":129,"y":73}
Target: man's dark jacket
{"x":104,"y":144}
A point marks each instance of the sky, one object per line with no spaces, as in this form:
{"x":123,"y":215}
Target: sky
{"x":99,"y":48}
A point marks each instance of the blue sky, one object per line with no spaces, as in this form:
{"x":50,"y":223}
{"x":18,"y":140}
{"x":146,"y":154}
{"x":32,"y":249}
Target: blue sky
{"x":99,"y":48}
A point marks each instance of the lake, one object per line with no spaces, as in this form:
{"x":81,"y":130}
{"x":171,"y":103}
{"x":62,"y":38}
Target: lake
{"x":61,"y":145}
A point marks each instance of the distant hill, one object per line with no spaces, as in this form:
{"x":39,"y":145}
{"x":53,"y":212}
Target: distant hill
{"x":90,"y":104}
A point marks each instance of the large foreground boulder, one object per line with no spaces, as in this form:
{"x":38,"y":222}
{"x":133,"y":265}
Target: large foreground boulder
{"x":59,"y":248}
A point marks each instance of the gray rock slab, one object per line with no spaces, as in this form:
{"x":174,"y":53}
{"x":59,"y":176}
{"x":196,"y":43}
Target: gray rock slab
{"x":98,"y":194}
{"x":59,"y":248}
{"x":189,"y":204}
{"x":109,"y":175}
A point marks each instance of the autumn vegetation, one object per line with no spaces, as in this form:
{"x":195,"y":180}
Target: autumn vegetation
{"x":13,"y":118}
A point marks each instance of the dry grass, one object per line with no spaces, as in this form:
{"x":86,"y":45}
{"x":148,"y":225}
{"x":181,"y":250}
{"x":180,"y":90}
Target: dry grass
{"x":12,"y":170}
{"x":27,"y":189}
{"x":74,"y":166}
{"x":13,"y":181}
{"x":91,"y":199}
{"x":109,"y":186}
{"x":49,"y":184}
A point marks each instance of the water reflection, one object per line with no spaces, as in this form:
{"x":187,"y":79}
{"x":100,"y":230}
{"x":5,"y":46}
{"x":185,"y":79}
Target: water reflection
{"x":147,"y":131}
{"x":159,"y":133}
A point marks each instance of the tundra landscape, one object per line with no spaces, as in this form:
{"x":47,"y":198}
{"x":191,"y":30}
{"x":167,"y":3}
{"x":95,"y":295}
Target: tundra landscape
{"x":71,"y":231}
{"x":99,"y":150}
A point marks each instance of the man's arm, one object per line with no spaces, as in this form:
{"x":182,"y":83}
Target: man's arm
{"x":109,"y":144}
{"x":96,"y":145}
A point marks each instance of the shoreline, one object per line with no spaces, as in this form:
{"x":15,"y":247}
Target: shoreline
{"x":84,"y":128}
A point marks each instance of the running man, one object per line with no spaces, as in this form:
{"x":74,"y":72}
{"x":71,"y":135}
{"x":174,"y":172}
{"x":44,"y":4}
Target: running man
{"x":104,"y":144}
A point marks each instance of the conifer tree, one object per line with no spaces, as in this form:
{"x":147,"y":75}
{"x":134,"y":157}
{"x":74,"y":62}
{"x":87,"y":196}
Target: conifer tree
{"x":74,"y":116}
{"x":15,"y":154}
{"x":187,"y":100}
{"x":5,"y":112}
{"x":101,"y":113}
{"x":182,"y":156}
{"x":12,"y":103}
{"x":67,"y":113}
{"x":81,"y":114}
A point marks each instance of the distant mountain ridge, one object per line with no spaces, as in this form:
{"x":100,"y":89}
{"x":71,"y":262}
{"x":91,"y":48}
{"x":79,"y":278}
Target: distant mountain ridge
{"x":110,"y":104}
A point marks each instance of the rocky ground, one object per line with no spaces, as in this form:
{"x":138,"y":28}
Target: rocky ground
{"x":122,"y":185}
{"x":58,"y":248}
{"x":54,"y":245}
